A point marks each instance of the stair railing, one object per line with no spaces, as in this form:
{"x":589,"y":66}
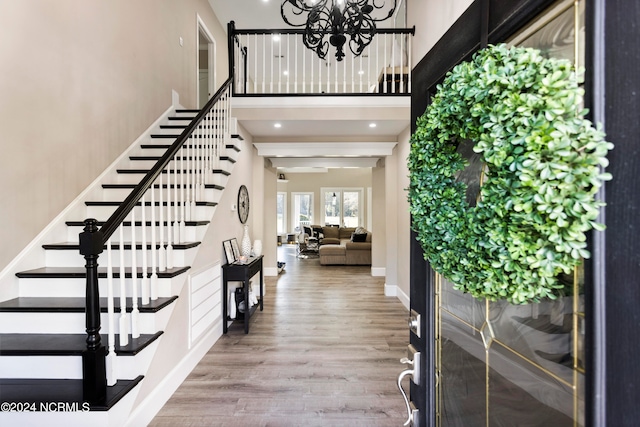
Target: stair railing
{"x":276,"y":62}
{"x":169,"y":192}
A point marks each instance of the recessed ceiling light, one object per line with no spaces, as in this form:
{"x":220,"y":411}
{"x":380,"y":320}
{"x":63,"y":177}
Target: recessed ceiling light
{"x":285,"y":72}
{"x":277,"y":125}
{"x":361,"y":72}
{"x":372,"y":125}
{"x":276,"y":38}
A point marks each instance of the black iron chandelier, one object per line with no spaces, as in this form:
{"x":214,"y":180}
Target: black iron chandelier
{"x":342,"y":21}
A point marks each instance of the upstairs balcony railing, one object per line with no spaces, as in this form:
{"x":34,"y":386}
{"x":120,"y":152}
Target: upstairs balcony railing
{"x":276,"y":62}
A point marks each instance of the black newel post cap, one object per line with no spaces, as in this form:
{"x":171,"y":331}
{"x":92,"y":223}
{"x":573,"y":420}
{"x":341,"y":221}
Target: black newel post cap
{"x":91,"y":238}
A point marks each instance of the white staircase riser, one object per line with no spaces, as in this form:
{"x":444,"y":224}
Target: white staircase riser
{"x":74,"y":323}
{"x":54,"y":367}
{"x":69,"y":258}
{"x":70,"y":367}
{"x":191,"y":233}
{"x":51,"y":288}
{"x":118,"y":195}
{"x":202,"y":212}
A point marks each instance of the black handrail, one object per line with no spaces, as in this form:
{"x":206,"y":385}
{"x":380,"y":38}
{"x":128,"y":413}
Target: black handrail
{"x":112,"y":224}
{"x":411,"y":31}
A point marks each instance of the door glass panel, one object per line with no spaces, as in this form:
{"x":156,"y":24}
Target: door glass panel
{"x":332,"y":207}
{"x":351,"y":203}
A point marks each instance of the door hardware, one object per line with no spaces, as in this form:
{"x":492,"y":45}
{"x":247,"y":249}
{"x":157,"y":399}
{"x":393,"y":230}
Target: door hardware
{"x":414,"y":323}
{"x":414,"y":361}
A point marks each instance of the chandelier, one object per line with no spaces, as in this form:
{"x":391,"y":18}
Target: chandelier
{"x":341,"y":21}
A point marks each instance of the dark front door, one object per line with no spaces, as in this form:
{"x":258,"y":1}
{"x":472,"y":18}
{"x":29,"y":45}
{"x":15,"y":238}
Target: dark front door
{"x":493,"y":363}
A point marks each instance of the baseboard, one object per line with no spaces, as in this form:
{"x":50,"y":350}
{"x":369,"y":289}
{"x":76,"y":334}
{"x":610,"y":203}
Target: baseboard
{"x":378,"y":271}
{"x":270,"y":271}
{"x":144,"y":413}
{"x":404,"y":298}
{"x":390,"y":290}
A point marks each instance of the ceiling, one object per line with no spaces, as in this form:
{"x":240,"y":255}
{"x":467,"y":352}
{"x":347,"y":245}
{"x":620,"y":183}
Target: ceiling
{"x":313,"y":131}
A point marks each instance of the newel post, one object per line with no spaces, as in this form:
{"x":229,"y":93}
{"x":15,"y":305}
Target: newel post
{"x":94,"y":373}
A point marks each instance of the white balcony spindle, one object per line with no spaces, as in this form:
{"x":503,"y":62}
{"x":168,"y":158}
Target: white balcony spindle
{"x":288,"y":70}
{"x":409,"y":64}
{"x":384,"y":66}
{"x":264,"y":63}
{"x":123,"y":326}
{"x":280,"y":63}
{"x":111,"y":356}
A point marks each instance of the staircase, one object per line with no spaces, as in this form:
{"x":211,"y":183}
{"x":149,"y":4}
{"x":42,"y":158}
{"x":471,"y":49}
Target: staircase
{"x":44,"y":367}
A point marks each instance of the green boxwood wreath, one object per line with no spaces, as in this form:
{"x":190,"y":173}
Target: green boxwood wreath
{"x":544,"y":165}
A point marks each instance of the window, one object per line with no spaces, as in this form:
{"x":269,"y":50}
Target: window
{"x":302,"y":209}
{"x":281,"y":213}
{"x":343,"y":206}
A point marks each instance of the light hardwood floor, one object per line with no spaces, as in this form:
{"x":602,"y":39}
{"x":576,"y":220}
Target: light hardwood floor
{"x":324,"y":352}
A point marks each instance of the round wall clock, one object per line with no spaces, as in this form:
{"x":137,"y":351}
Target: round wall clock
{"x":243,"y":204}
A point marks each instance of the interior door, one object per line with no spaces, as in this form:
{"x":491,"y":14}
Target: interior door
{"x":206,"y":68}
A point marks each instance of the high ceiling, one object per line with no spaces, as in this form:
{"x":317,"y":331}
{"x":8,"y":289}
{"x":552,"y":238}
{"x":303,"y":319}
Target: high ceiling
{"x":312,"y":130}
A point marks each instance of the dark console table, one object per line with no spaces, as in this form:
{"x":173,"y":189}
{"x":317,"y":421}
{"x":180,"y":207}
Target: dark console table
{"x":237,"y":272}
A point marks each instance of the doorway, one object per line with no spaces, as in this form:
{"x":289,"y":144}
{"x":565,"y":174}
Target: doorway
{"x":206,"y":54}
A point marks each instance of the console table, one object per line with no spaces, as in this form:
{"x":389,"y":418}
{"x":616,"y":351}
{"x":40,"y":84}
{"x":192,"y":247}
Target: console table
{"x":237,"y":272}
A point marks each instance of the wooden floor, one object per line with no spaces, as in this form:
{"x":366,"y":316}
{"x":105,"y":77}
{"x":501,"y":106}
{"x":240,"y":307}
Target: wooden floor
{"x":324,"y":352}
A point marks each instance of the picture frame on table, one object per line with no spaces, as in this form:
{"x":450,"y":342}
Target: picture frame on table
{"x":228,"y":251}
{"x":235,"y":248}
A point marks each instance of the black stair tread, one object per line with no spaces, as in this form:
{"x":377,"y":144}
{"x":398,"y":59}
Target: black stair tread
{"x":139,"y":223}
{"x":76,"y":247}
{"x":66,"y":344}
{"x":187,"y":110}
{"x":237,"y":136}
{"x":176,"y":135}
{"x":159,"y":146}
{"x":76,"y":305}
{"x":132,"y":186}
{"x":156,"y":158}
{"x":116,"y":203}
{"x":227,"y":158}
{"x":189,"y":118}
{"x":144,"y":171}
{"x":80,"y":272}
{"x":60,"y":390}
{"x":232,"y":147}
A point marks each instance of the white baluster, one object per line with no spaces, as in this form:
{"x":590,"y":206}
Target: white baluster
{"x":111,"y":355}
{"x":402,"y":64}
{"x":344,"y":75}
{"x":134,"y":277}
{"x":295,"y":62}
{"x":153,"y":291}
{"x":123,"y":326}
{"x":288,"y":65}
{"x":271,"y":71}
{"x":169,"y":229}
{"x":183,"y":226}
{"x":144,"y":284}
{"x":162,"y":255}
{"x":192,"y":174}
{"x":393,"y":64}
{"x":384,"y":66}
{"x":176,"y":221}
{"x":280,"y":63}
{"x":360,"y":69}
{"x":409,"y":64}
{"x":310,"y":66}
{"x":264,"y":63}
{"x":187,"y":178}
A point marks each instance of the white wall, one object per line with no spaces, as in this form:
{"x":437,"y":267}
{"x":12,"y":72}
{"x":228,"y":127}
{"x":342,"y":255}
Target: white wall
{"x":81,"y":80}
{"x":432,"y":18}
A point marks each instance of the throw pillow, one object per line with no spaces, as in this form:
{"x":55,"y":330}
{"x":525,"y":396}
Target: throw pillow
{"x":355,"y":237}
